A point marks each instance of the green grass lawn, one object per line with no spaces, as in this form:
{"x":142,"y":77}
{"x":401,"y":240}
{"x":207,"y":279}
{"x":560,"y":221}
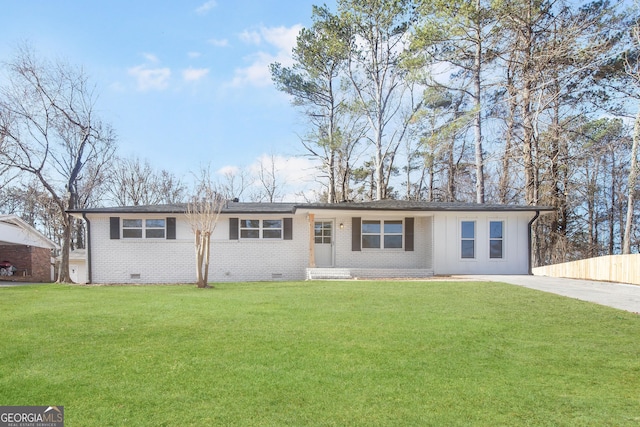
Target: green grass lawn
{"x":319,"y":353}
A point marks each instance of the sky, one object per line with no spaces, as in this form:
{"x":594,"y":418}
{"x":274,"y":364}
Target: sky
{"x":184,"y":83}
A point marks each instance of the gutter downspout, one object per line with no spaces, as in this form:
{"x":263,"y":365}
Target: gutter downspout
{"x":531,"y":241}
{"x":84,"y":216}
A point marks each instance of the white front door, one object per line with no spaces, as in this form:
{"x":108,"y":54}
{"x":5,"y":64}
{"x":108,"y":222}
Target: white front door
{"x":323,"y":243}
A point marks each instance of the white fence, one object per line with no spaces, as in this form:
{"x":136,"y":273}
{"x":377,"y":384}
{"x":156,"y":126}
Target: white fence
{"x":611,"y":268}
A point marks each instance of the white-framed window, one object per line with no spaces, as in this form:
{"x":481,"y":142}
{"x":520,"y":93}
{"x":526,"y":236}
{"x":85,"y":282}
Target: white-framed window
{"x":496,"y":239}
{"x":382,"y":234}
{"x":323,"y":232}
{"x":467,"y":239}
{"x":136,"y":228}
{"x":261,"y":229}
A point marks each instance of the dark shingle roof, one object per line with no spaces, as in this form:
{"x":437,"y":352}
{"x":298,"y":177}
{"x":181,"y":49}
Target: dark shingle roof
{"x":290,"y":208}
{"x":230,"y":207}
{"x":419,"y":205}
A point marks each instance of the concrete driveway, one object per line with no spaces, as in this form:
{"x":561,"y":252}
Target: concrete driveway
{"x":618,"y":295}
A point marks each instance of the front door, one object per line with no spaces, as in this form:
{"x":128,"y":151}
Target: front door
{"x":323,"y":243}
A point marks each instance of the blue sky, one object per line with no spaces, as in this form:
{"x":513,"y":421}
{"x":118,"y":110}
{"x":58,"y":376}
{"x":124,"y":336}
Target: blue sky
{"x":184,"y":83}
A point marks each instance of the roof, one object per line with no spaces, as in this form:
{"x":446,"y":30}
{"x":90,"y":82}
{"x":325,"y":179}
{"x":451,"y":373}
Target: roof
{"x":291,"y":208}
{"x":420,"y":205}
{"x":230,"y":207}
{"x":16,"y":231}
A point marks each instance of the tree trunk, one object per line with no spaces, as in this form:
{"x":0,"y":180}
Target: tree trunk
{"x":331,"y":169}
{"x":199,"y":259}
{"x":207,"y":253}
{"x":379,"y":169}
{"x":631,"y":187}
{"x":504,"y":183}
{"x":63,"y":267}
{"x":477,"y":83}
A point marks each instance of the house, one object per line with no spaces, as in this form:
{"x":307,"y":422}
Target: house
{"x":25,"y":253}
{"x":78,"y":266}
{"x":293,"y":241}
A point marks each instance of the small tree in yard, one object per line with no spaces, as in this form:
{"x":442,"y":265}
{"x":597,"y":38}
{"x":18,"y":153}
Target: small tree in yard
{"x":203,"y":211}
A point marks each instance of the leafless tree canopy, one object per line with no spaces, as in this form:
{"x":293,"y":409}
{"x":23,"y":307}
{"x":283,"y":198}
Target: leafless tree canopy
{"x":135,"y":183}
{"x":49,"y":130}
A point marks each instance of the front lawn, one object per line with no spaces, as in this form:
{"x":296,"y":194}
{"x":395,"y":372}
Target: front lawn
{"x":319,"y":353}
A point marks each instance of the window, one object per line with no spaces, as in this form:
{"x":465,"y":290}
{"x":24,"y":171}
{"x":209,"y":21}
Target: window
{"x":149,"y":228}
{"x":496,"y":239}
{"x":154,"y":228}
{"x":250,"y":228}
{"x":272,"y":229}
{"x":371,"y":234}
{"x":265,"y":229}
{"x":132,"y":228}
{"x":323,"y":232}
{"x":388,"y":233}
{"x":468,"y":239}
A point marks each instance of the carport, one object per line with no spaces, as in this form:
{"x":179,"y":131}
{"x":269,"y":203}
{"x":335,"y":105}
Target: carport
{"x":26,"y":255}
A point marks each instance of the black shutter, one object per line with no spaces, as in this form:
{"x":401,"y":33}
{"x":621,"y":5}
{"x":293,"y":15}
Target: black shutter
{"x":233,"y":228}
{"x":114,"y":227}
{"x":355,"y":234}
{"x":171,"y":228}
{"x":408,"y":234}
{"x":287,"y":232}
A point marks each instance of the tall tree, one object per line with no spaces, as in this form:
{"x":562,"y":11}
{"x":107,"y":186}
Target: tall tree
{"x":320,"y":55}
{"x":632,"y":67}
{"x":50,"y":130}
{"x":379,"y":35}
{"x":462,"y":34}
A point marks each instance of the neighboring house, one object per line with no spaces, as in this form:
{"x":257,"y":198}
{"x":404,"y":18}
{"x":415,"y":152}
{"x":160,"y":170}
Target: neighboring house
{"x":292,"y":241}
{"x":78,"y":266}
{"x":25,"y":253}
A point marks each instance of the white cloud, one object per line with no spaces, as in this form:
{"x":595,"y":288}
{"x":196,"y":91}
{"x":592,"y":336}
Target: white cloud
{"x":218,"y":42}
{"x":255,"y":74}
{"x":250,"y":37}
{"x":278,"y":43}
{"x":194,"y":74}
{"x":151,"y":58}
{"x":284,"y":38}
{"x":204,"y":8}
{"x":194,"y":55}
{"x":228,"y":170}
{"x":150,"y":78}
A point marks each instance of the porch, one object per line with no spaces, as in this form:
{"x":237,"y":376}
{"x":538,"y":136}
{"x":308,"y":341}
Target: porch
{"x":367,"y":273}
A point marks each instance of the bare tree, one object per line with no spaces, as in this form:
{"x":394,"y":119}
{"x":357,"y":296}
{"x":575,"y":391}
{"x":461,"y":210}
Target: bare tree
{"x":269,"y":180}
{"x":50,"y":130}
{"x":379,"y":35}
{"x":135,"y":183}
{"x":234,"y":183}
{"x":633,"y":70}
{"x":203,"y":211}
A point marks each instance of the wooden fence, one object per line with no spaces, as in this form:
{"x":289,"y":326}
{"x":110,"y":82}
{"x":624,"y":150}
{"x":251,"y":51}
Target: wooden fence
{"x":611,"y":268}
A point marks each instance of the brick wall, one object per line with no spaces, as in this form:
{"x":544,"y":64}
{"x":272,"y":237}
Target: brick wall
{"x":173,"y":261}
{"x":33,"y":264}
{"x":40,"y":264}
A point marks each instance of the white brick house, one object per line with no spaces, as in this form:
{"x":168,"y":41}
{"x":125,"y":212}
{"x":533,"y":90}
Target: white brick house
{"x":289,"y":241}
